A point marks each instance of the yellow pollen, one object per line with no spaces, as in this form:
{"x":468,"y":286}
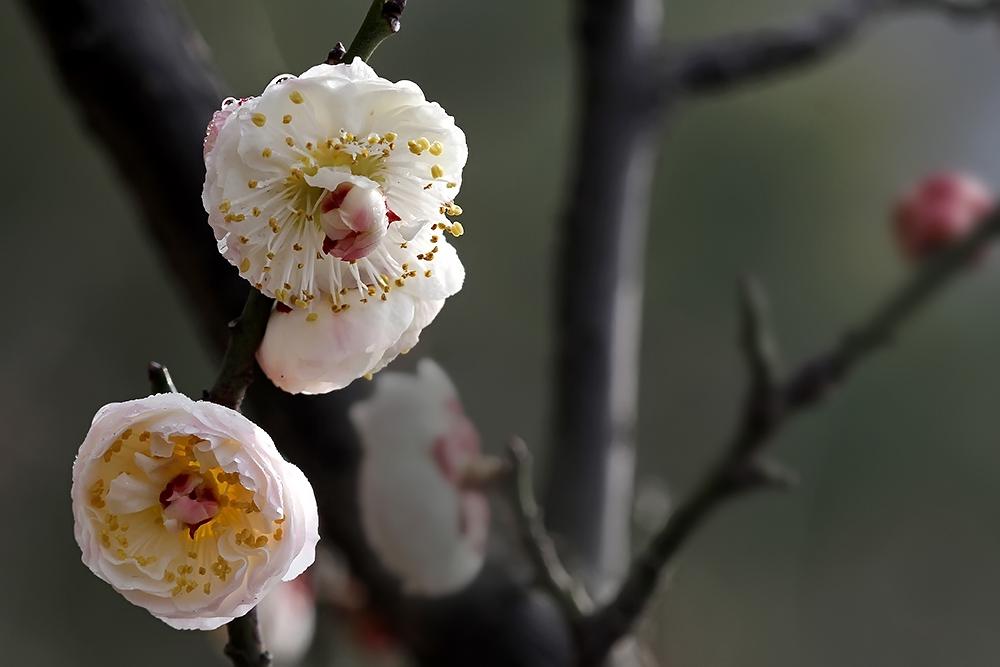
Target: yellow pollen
{"x":224,"y":206}
{"x":427,"y":273}
{"x":390,"y":137}
{"x":258,"y":119}
{"x":296,"y":97}
{"x":437,"y":171}
{"x":436,"y":148}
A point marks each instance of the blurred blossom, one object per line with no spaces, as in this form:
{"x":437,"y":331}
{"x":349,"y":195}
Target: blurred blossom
{"x":938,"y":211}
{"x":424,"y":521}
{"x":332,"y":193}
{"x":287,"y":618}
{"x":187,"y":509}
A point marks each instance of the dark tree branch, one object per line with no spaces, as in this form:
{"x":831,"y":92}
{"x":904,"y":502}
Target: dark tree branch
{"x":598,"y":287}
{"x":720,"y":62}
{"x":766,"y":410}
{"x":245,"y":648}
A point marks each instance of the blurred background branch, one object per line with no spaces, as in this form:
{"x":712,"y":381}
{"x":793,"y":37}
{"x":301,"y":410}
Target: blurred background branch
{"x":767,"y":408}
{"x":739,"y":58}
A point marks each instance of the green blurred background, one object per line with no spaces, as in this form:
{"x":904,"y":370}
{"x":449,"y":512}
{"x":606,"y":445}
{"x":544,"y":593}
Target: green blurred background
{"x":888,"y":553}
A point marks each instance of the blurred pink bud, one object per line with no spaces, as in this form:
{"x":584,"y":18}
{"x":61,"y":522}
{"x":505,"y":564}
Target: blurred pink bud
{"x":938,"y":211}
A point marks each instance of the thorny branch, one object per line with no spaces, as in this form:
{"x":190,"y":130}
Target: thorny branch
{"x":767,"y":408}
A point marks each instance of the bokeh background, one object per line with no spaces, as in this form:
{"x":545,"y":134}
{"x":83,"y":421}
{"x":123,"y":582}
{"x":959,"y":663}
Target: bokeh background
{"x":888,"y":553}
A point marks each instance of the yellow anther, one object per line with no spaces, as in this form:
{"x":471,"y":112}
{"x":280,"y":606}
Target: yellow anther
{"x":245,"y":264}
{"x":390,"y":137}
{"x":258,"y":119}
{"x":427,"y":273}
{"x":126,"y":434}
{"x":453,"y":209}
{"x":414,"y":147}
{"x":373,"y":139}
{"x":457,"y":229}
{"x":436,"y":148}
{"x":252,"y":184}
{"x":452,"y":184}
{"x":312,"y":317}
{"x":256,"y":212}
{"x":289,"y":142}
{"x":368,"y":376}
{"x":296,"y":97}
{"x":423,"y":143}
{"x":266,"y":152}
{"x":437,"y":171}
{"x":224,"y":206}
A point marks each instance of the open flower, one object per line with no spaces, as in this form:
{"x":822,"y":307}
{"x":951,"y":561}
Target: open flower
{"x":424,"y":522}
{"x":187,"y":509}
{"x":332,"y":193}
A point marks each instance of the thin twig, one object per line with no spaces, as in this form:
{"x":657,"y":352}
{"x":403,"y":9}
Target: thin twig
{"x":549,"y":570}
{"x":741,"y":467}
{"x":721,"y":62}
{"x":160,"y":381}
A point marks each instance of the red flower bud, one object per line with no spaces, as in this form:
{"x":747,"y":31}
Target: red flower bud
{"x":938,"y":211}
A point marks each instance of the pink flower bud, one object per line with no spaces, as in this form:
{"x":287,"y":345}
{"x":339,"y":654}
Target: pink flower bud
{"x":938,"y":211}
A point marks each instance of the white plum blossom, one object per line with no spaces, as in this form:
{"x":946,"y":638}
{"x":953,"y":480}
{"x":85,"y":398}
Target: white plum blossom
{"x":424,"y":523}
{"x":187,"y":509}
{"x":331,"y":192}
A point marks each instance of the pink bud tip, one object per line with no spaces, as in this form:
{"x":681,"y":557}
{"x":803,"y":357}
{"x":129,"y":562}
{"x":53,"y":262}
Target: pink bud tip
{"x":938,"y":211}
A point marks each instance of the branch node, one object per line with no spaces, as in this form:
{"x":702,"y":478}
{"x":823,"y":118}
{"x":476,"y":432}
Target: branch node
{"x":392,"y":10}
{"x":336,"y":54}
{"x":159,"y":379}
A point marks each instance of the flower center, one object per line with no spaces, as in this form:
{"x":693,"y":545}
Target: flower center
{"x":355,"y":219}
{"x":190,"y":501}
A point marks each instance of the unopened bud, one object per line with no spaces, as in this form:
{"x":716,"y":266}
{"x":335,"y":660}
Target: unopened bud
{"x":938,"y":211}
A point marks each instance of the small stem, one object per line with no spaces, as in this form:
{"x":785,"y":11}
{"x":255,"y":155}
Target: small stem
{"x":245,"y":648}
{"x":549,"y":570}
{"x":381,"y":21}
{"x":159,"y":379}
{"x":239,"y":364}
